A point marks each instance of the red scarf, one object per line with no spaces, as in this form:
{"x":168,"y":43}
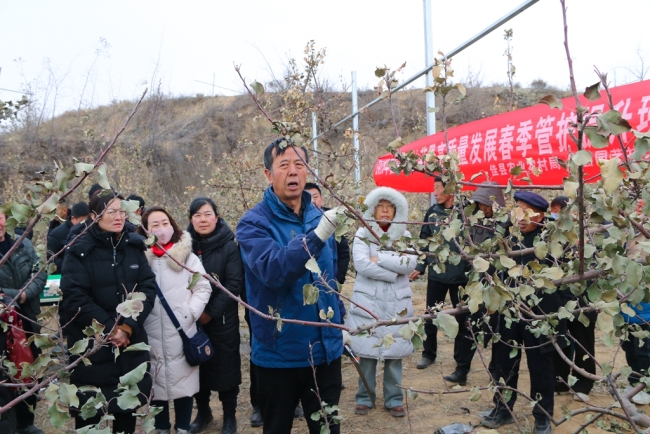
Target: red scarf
{"x":158,"y":251}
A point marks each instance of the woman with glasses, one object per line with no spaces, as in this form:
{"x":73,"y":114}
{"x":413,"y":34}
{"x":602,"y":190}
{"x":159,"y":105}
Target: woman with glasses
{"x":101,"y":269}
{"x":382,"y":287}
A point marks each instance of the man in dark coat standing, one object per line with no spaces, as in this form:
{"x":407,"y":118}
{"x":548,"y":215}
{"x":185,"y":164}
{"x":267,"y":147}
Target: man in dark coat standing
{"x":539,"y":357}
{"x":582,"y":344}
{"x":485,"y":198}
{"x":62,"y":215}
{"x":214,"y":243}
{"x":14,"y":276}
{"x":440,"y":282}
{"x":57,"y":238}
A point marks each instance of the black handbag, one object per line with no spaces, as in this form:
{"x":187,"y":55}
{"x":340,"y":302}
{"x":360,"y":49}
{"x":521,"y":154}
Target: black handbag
{"x":198,"y":349}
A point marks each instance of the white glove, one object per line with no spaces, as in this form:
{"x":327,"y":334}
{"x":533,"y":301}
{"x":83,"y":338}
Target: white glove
{"x":347,"y":339}
{"x":327,"y":224}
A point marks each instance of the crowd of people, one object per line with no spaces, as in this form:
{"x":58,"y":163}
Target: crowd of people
{"x":286,"y":248}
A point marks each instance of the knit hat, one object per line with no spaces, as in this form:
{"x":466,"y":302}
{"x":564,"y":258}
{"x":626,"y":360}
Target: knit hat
{"x":484,"y":193}
{"x":532,"y":199}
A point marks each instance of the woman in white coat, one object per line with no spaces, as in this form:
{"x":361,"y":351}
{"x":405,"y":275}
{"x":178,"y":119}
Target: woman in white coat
{"x":174,"y":378}
{"x":382,"y":286}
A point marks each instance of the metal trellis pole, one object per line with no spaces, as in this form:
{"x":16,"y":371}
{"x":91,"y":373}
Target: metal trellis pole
{"x":355,"y":130}
{"x":314,"y":136}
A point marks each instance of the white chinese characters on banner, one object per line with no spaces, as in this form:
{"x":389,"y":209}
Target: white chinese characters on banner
{"x":505,"y":142}
{"x":490,"y":150}
{"x":543,"y":135}
{"x":534,"y":137}
{"x":524,"y":136}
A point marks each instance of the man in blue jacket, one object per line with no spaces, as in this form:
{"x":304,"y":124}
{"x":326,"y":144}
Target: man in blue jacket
{"x":293,"y":362}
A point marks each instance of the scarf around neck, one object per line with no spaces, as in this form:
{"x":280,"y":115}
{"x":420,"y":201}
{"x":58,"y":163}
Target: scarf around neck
{"x":160,"y":252}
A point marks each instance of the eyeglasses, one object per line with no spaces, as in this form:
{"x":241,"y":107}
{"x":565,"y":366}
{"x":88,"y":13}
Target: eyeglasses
{"x":113,"y":213}
{"x":387,"y":206}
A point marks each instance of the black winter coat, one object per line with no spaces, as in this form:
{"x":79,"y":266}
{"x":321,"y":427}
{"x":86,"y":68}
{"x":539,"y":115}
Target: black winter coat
{"x":220,"y":256}
{"x":549,"y":303}
{"x":16,"y":272}
{"x":453,"y":274}
{"x":56,"y":239}
{"x":95,"y":279}
{"x":342,"y":260}
{"x":55,"y":223}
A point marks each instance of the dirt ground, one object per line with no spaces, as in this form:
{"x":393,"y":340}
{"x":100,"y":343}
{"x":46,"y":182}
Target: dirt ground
{"x":427,"y":412}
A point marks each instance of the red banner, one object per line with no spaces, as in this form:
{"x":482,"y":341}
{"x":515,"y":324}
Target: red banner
{"x":496,"y":144}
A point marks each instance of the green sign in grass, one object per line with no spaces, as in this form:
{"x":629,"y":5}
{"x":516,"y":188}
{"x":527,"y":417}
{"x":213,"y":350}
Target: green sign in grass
{"x":53,"y":296}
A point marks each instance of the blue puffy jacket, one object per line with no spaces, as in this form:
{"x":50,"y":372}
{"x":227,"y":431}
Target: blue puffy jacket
{"x":272,"y":240}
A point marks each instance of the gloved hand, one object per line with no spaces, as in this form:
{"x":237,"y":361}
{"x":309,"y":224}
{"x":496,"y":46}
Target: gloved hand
{"x":327,"y":224}
{"x":347,"y":339}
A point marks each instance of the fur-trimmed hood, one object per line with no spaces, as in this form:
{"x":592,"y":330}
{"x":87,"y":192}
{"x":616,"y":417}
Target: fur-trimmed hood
{"x":396,"y":230}
{"x":180,"y":250}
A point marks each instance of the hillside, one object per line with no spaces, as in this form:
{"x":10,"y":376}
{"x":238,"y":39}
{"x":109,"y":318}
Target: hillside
{"x":176,"y":149}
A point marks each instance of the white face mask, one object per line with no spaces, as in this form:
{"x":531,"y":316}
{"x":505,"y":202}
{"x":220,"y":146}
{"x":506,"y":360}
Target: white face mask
{"x":164,"y":234}
{"x":554,"y":216}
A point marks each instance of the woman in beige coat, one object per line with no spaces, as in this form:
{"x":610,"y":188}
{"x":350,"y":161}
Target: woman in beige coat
{"x":174,"y":378}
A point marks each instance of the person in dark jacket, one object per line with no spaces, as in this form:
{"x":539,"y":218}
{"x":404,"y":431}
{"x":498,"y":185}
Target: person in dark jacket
{"x":19,"y":231}
{"x":342,"y":247}
{"x":15,"y":275}
{"x":530,"y":220}
{"x":140,"y":201}
{"x":57,"y":238}
{"x":582,"y":344}
{"x":557,"y":205}
{"x":486,"y":197}
{"x":277,"y":238}
{"x":62,"y":215}
{"x":439,"y":283}
{"x":100,"y":270}
{"x":93,"y":189}
{"x":214,"y":243}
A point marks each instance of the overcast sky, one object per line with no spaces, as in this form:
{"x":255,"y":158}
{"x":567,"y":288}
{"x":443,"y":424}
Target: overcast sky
{"x":177,"y":43}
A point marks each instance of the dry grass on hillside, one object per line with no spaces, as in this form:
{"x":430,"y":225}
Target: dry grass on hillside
{"x":173,"y":147}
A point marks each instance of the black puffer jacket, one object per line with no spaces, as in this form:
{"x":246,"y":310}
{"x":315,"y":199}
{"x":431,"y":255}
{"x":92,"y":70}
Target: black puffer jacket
{"x":16,"y":272}
{"x":56,"y":239}
{"x":220,"y":256}
{"x":95,"y":279}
